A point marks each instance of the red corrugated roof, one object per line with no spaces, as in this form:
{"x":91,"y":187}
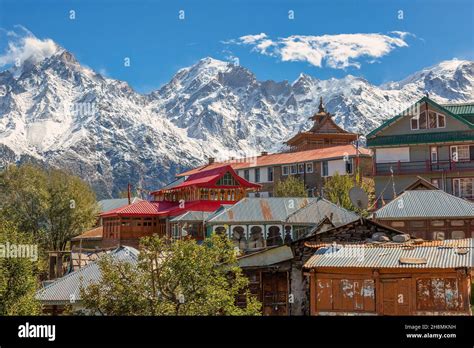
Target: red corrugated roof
{"x":146,"y":208}
{"x":208,"y":178}
{"x":285,"y":158}
{"x":95,"y":233}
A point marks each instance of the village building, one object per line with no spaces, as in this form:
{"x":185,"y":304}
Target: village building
{"x":200,"y":193}
{"x":276,"y":273}
{"x":66,"y":290}
{"x":324,"y":133}
{"x":429,"y":140}
{"x":410,"y":278}
{"x":312,"y":156}
{"x":429,"y":213}
{"x":313,"y":167}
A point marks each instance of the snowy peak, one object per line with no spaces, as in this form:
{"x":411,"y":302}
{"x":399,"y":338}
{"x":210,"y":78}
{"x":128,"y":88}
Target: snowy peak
{"x":64,"y":114}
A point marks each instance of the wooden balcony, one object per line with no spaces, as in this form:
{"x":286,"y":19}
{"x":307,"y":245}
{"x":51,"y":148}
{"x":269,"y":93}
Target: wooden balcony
{"x":422,"y":167}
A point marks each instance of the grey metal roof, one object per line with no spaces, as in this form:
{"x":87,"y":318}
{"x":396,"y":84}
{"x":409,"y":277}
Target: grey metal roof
{"x":63,"y":289}
{"x":426,"y":203}
{"x":114,"y":203}
{"x":273,"y":209}
{"x":174,"y":183}
{"x":317,"y":210}
{"x":192,"y":216}
{"x":448,"y":254}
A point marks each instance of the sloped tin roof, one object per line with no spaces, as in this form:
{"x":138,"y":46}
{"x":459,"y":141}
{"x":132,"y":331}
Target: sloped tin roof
{"x":66,"y":289}
{"x":426,"y":204}
{"x":446,"y":254}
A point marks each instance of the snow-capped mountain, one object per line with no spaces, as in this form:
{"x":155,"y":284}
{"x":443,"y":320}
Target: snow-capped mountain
{"x":59,"y":113}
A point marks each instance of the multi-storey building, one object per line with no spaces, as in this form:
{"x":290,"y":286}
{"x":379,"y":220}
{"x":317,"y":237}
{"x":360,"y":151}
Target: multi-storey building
{"x":312,"y":156}
{"x":429,"y":140}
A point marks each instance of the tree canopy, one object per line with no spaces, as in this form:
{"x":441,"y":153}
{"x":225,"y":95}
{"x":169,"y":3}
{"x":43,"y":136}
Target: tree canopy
{"x":173,"y":278}
{"x":290,"y":187}
{"x":51,"y":205}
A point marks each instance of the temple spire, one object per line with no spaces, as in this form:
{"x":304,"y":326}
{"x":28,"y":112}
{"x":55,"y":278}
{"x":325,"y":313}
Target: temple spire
{"x":321,"y":106}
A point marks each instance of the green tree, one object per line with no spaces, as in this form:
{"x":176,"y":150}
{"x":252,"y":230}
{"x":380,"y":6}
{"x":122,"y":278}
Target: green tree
{"x":51,"y":205}
{"x":337,"y":187}
{"x":173,"y":278}
{"x":291,"y":187}
{"x":18,"y":282}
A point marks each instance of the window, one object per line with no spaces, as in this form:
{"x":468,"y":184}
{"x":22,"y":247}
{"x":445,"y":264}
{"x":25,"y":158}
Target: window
{"x":417,"y":224}
{"x":398,"y":224}
{"x":227,"y":180}
{"x":286,"y":170}
{"x":463,"y":187}
{"x":437,"y":223}
{"x":293,"y":169}
{"x":349,"y":166}
{"x":247,"y":174}
{"x":441,"y":121}
{"x":432,"y":120}
{"x":422,"y":121}
{"x":414,"y":123}
{"x":434,"y":154}
{"x":458,"y":235}
{"x":257,"y":174}
{"x":309,"y":167}
{"x":325,"y":168}
{"x":460,"y":152}
{"x":301,"y":168}
{"x":270,"y":173}
{"x":457,"y":223}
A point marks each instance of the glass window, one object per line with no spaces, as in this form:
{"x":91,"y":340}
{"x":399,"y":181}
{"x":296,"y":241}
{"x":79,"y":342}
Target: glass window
{"x":293,"y":169}
{"x":349,"y":166}
{"x":257,"y":174}
{"x":301,"y":168}
{"x":414,"y":123}
{"x":227,"y":180}
{"x":422,"y":121}
{"x":441,"y":121}
{"x":458,"y":235}
{"x":309,"y":167}
{"x":247,"y":174}
{"x":463,"y":187}
{"x":460,"y":152}
{"x":457,"y":223}
{"x":432,"y":120}
{"x":270,"y":173}
{"x":325,"y":168}
{"x":434,"y":154}
{"x":398,"y":224}
{"x":286,"y":170}
{"x":437,"y":223}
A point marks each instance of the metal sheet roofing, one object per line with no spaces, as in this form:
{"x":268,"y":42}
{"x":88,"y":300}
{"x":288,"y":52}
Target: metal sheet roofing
{"x":421,"y":138}
{"x":192,"y":216}
{"x":92,"y":234}
{"x":294,"y":210}
{"x":273,"y":209}
{"x":460,"y":109}
{"x":115,"y":203}
{"x":67,"y":288}
{"x":426,"y":204}
{"x":449,"y":254}
{"x":287,"y":158}
{"x":318,"y":210}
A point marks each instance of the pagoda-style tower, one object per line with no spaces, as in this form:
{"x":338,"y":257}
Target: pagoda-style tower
{"x":324,"y":133}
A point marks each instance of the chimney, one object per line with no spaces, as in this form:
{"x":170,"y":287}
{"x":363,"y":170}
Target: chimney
{"x":264,"y":153}
{"x":211,"y":160}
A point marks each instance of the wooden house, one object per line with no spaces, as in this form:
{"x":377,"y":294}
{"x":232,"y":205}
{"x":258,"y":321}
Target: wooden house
{"x":202,"y":192}
{"x":410,"y":278}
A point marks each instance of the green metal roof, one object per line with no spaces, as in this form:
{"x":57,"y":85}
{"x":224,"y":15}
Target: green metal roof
{"x":426,"y":204}
{"x":464,"y":118}
{"x":460,"y":109}
{"x":421,"y":138}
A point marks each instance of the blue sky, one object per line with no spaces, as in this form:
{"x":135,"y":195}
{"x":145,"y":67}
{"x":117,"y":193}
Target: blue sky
{"x":315,"y":42}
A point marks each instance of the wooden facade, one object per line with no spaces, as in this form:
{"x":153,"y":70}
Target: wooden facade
{"x":384,"y":291}
{"x":324,"y":133}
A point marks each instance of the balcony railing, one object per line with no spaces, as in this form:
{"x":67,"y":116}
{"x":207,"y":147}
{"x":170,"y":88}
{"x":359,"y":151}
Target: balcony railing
{"x":415,"y":167}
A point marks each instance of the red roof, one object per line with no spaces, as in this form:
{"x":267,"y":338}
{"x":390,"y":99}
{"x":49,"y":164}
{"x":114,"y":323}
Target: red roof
{"x":146,"y":208}
{"x":208,"y":178}
{"x":326,"y":153}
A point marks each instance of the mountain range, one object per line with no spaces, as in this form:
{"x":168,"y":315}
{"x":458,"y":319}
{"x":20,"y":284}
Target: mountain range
{"x":57,"y":112}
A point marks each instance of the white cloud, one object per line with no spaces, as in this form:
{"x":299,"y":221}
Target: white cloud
{"x":23,"y":46}
{"x":336,"y":51}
